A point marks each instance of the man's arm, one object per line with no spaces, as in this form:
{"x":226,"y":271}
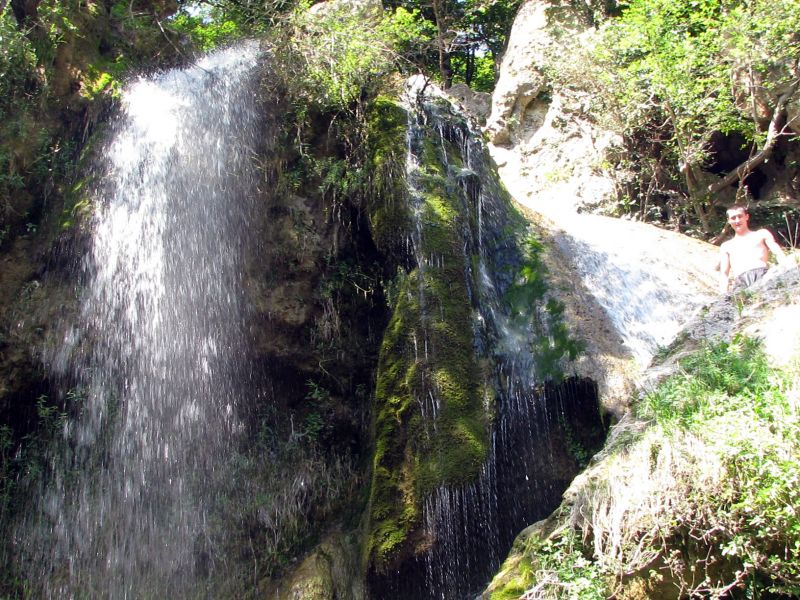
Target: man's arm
{"x":724,"y":268}
{"x":773,"y":246}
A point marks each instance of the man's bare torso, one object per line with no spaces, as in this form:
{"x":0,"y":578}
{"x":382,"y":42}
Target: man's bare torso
{"x":747,"y":252}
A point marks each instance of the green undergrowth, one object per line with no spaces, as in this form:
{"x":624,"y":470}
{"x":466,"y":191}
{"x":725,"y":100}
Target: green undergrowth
{"x":427,"y":356}
{"x":552,"y":568}
{"x":700,"y":499}
{"x":63,"y":62}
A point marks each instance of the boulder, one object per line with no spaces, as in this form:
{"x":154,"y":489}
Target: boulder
{"x":521,"y":76}
{"x":476,"y":104}
{"x":329,"y":572}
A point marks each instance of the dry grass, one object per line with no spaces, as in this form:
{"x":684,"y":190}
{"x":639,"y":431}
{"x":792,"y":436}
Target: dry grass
{"x":630,"y":506}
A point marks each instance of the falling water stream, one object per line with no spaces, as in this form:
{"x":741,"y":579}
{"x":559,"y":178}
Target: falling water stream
{"x":157,"y":364}
{"x":473,"y":524}
{"x":157,"y":356}
{"x":628,"y":269}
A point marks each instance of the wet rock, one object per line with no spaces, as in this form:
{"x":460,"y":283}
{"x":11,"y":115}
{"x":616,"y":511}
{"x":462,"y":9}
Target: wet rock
{"x":476,"y":104}
{"x":329,"y":572}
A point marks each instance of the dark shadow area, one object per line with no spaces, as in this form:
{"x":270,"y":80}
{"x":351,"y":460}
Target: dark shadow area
{"x":541,"y":440}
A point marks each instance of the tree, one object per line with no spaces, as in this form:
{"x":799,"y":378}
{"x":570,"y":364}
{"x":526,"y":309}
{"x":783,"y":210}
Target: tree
{"x":470,"y":36}
{"x":483,"y":29}
{"x":667,"y":68}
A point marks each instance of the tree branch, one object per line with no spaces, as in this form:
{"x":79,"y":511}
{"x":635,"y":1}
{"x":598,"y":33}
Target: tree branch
{"x":773,"y":134}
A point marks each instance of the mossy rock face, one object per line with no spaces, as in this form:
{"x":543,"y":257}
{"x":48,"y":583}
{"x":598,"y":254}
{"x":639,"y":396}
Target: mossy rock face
{"x":329,"y":572}
{"x":386,"y":192}
{"x":431,"y":428}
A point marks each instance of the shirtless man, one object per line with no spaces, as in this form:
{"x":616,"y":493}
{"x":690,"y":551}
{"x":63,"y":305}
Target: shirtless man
{"x":745,"y":256}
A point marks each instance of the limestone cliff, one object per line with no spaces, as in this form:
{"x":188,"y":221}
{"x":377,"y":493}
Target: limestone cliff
{"x":551,"y":154}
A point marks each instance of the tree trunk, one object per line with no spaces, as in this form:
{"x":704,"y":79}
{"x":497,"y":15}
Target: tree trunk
{"x":693,"y":187}
{"x":696,"y":197}
{"x":445,"y":69}
{"x":469,"y":67}
{"x":773,"y":133}
{"x":25,"y":11}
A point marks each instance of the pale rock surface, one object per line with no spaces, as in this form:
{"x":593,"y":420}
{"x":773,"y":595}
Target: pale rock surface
{"x":369,"y":9}
{"x":326,"y":573}
{"x":534,"y":37}
{"x":628,"y":287}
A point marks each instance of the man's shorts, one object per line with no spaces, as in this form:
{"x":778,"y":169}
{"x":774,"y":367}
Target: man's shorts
{"x":748,"y":278}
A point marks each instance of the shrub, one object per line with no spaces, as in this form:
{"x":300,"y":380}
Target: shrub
{"x":331,"y":57}
{"x":700,"y":495}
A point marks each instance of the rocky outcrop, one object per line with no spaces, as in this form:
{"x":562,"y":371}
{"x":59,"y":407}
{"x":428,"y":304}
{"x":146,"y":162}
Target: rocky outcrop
{"x":627,"y":288}
{"x":522,"y":78}
{"x":769,"y":313}
{"x":548,"y":150}
{"x":325,"y":574}
{"x":476,"y":104}
{"x":550,"y":154}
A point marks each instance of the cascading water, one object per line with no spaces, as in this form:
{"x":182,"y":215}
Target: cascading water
{"x":157,"y":359}
{"x":631,"y":271}
{"x":472,"y":525}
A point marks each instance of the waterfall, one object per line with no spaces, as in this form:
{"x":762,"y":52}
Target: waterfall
{"x":471,"y":526}
{"x":631,"y":270}
{"x":156,"y":361}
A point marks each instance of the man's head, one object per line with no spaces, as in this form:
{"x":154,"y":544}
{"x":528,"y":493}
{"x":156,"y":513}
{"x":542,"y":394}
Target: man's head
{"x":738,"y":218}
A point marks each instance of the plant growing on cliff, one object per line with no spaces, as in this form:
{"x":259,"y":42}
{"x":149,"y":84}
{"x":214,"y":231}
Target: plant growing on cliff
{"x":554,"y":568}
{"x":702,"y":496}
{"x":551,"y":341}
{"x":329,"y":56}
{"x":17,"y":64}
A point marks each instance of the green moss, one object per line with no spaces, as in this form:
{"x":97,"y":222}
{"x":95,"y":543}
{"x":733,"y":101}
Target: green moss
{"x":104,"y":78}
{"x":558,"y":566}
{"x":386,"y":194}
{"x":78,"y":205}
{"x":554,"y":342}
{"x":427,"y":350}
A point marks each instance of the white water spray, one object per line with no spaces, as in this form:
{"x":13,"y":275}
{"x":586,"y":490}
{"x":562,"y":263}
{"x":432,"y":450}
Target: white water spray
{"x":158,"y":355}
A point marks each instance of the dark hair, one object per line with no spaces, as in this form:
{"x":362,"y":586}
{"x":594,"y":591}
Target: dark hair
{"x":741,"y":207}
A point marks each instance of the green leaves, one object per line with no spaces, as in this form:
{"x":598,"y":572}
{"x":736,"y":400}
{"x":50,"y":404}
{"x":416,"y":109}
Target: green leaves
{"x":670,"y":74}
{"x":17,"y":64}
{"x":664,"y":62}
{"x":555,"y":568}
{"x":714,"y":379}
{"x":331,"y":56}
{"x":746,"y":415}
{"x":207,"y":33}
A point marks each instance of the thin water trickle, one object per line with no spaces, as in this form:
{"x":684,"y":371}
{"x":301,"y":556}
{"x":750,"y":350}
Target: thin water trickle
{"x":630,"y":270}
{"x":471,"y":526}
{"x":158,"y":354}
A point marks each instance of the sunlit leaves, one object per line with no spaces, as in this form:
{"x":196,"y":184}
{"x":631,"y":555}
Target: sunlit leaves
{"x":337,"y":53}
